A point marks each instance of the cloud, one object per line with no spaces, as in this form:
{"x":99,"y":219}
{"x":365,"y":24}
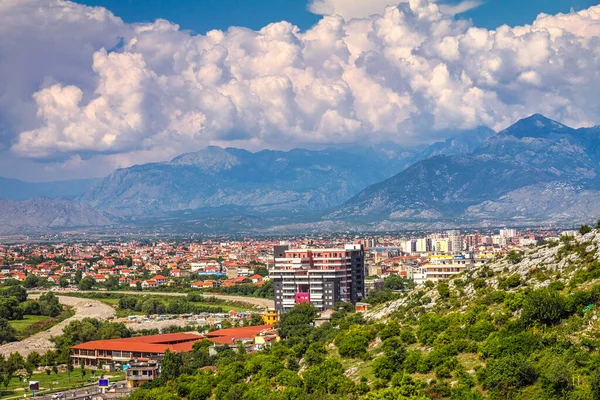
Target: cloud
{"x":349,"y":9}
{"x":400,"y":75}
{"x":463,"y":7}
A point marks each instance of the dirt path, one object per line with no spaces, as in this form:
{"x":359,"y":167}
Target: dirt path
{"x":41,"y":343}
{"x":255,"y":301}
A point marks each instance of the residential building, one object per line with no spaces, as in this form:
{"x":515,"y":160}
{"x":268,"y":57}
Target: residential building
{"x":373,"y":284}
{"x":139,"y":373}
{"x":322,"y":277}
{"x":454,"y":242}
{"x":441,"y":267}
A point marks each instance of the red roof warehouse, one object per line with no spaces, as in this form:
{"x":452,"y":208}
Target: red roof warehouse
{"x":145,"y":347}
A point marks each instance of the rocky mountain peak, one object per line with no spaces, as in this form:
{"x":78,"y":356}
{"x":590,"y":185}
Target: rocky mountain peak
{"x":536,"y":126}
{"x":211,"y":158}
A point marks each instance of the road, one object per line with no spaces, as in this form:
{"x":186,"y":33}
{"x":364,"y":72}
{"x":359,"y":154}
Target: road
{"x":91,"y":391}
{"x":255,"y":301}
{"x":41,"y":343}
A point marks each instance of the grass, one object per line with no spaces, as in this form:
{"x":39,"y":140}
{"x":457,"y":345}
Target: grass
{"x":32,"y":324}
{"x":21,"y":324}
{"x":55,"y":382}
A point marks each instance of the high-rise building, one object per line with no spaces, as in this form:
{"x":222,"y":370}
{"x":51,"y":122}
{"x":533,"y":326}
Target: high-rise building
{"x":454,"y":242}
{"x":423,"y":245}
{"x":409,"y":246}
{"x":322,"y":277}
{"x":508,"y":233}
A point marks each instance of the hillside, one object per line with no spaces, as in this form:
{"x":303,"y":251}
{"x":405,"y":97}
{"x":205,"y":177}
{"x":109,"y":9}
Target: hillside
{"x":40,"y":215}
{"x":524,"y":326}
{"x":518,"y":166}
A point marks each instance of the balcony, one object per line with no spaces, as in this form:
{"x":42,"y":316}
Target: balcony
{"x":140,"y":377}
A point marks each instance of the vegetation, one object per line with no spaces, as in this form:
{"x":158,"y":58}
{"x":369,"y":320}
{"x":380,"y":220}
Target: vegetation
{"x":21,"y":317}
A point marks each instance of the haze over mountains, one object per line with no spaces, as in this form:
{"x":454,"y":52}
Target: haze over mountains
{"x":536,"y":171}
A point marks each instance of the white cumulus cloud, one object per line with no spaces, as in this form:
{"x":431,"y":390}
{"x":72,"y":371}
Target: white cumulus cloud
{"x":80,"y":84}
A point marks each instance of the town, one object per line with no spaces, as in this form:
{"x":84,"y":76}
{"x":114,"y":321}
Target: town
{"x":174,"y":296}
{"x":242,"y":266}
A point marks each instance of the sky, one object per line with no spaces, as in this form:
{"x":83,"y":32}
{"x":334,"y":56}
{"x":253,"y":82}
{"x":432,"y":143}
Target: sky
{"x":201,"y":16}
{"x":89,"y":87}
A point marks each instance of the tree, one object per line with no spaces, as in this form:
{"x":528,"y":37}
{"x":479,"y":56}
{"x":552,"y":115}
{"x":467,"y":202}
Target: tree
{"x":172,"y":364}
{"x":598,"y":224}
{"x":585,"y":229}
{"x":443,"y":289}
{"x":31,"y":281}
{"x":297,"y":322}
{"x":396,"y":282}
{"x":138,"y":286}
{"x":112,"y":282}
{"x":261,"y":270}
{"x":557,"y":377}
{"x":69,"y":368}
{"x":315,"y":354}
{"x":505,"y":376}
{"x":34,"y":358}
{"x":544,"y":306}
{"x":17,"y":291}
{"x":82,"y":368}
{"x":78,"y":276}
{"x":595,"y":384}
{"x":7,"y":332}
{"x":87,"y":283}
{"x":63,"y":282}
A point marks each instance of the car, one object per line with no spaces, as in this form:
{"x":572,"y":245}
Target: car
{"x":59,"y":395}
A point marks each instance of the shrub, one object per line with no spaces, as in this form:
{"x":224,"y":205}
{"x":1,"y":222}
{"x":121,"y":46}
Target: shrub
{"x":585,"y":229}
{"x":510,"y":282}
{"x":505,"y":376}
{"x":543,"y":306}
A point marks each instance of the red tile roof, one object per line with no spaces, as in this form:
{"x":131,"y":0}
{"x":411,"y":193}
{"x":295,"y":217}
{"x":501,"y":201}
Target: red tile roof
{"x":230,"y":336}
{"x":179,"y":342}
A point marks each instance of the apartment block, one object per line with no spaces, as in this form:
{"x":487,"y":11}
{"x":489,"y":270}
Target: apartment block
{"x":441,"y":267}
{"x":322,"y":277}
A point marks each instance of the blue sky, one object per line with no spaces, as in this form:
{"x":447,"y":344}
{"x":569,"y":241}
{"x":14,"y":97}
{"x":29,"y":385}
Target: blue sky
{"x":203,"y":15}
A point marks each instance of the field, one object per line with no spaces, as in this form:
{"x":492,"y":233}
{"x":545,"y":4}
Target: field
{"x":21,"y":324}
{"x":55,"y":382}
{"x":32,"y":324}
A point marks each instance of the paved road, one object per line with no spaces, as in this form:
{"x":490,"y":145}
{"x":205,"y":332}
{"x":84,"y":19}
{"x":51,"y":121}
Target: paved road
{"x":255,"y":301}
{"x":90,"y":392}
{"x":41,"y":343}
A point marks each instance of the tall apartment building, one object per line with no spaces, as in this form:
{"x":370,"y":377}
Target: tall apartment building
{"x":322,"y":277}
{"x":454,"y":242}
{"x":508,"y":233}
{"x":423,"y":245}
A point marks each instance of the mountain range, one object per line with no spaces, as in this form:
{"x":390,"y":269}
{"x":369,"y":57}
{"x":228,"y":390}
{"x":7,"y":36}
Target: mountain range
{"x":535,"y":171}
